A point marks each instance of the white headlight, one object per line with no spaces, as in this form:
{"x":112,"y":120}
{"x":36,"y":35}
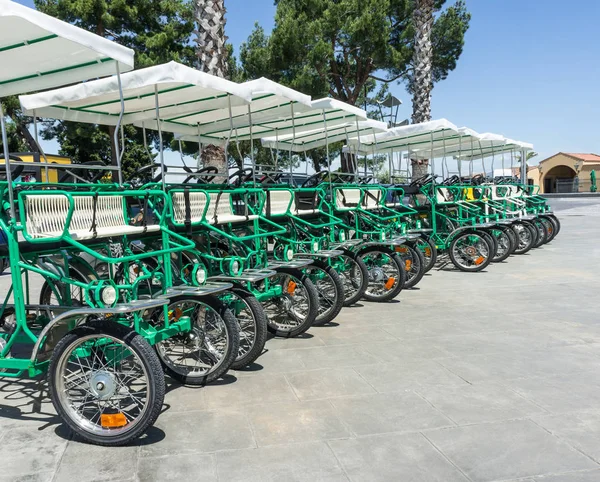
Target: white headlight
{"x":235,"y":267}
{"x":109,"y":295}
{"x":200,"y":275}
{"x":383,"y":236}
{"x":289,"y":254}
{"x":343,"y":236}
{"x":316,"y":246}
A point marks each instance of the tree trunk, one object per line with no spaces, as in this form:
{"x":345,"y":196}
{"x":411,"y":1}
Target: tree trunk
{"x":212,"y":59}
{"x":422,"y":83}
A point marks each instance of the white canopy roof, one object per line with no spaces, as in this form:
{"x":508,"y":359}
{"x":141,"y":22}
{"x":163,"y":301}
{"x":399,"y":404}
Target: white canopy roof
{"x":313,"y":139}
{"x":277,"y":122}
{"x":271,"y":102}
{"x":38,"y":52}
{"x":180,"y":89}
{"x":407,"y":137}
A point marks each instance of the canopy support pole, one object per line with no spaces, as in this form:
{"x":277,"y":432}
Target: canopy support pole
{"x":524,"y":167}
{"x":118,"y":152}
{"x":11,"y":198}
{"x":293,"y":141}
{"x":37,"y":143}
{"x":252,"y":160}
{"x":160,"y":139}
{"x":327,"y":155}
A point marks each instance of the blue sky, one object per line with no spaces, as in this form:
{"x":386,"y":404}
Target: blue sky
{"x":530,"y":70}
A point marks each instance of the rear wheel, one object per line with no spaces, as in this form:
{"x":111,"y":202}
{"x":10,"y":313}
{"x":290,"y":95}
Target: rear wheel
{"x":525,"y":237}
{"x":504,"y":243}
{"x":414,"y":264}
{"x":551,"y":228}
{"x":387,"y":273}
{"x":295,"y":310}
{"x":106,"y":383}
{"x":330,"y":289}
{"x":354,"y":275}
{"x":470,"y":251}
{"x":205,"y":353}
{"x":252,"y":325}
{"x":541,"y":232}
{"x":429,"y":250}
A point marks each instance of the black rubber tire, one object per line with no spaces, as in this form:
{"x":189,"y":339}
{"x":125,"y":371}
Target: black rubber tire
{"x":524,"y":243}
{"x":491,"y":241}
{"x":146,"y":354}
{"x":541,"y":232}
{"x":313,"y":310}
{"x":476,"y":267}
{"x":551,"y":228}
{"x":233,"y":335}
{"x":260,"y":326}
{"x":503,"y":238}
{"x":424,"y":243}
{"x":398,"y":265}
{"x":556,"y":222}
{"x":513,"y":237}
{"x":353,"y":297}
{"x":338,"y":302}
{"x":3,"y":265}
{"x":416,"y":271}
{"x":534,"y":233}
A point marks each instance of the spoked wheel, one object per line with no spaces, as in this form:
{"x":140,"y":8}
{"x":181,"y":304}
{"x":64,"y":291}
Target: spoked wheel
{"x":556,"y":222}
{"x":205,"y":353}
{"x":551,"y":227}
{"x":541,"y":232}
{"x":429,"y":250}
{"x":330,"y":289}
{"x":387,"y":273}
{"x":252,"y":325}
{"x":106,"y":383}
{"x":504,"y":241}
{"x":354,"y":275}
{"x":296,"y":309}
{"x":492,"y":241}
{"x":525,"y":237}
{"x":414,"y":264}
{"x":470,"y":251}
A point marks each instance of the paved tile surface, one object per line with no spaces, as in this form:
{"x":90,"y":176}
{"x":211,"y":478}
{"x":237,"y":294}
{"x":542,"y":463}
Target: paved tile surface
{"x":472,"y":377}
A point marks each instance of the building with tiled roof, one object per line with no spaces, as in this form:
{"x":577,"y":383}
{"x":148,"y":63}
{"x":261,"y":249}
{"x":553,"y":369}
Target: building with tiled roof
{"x":564,"y":172}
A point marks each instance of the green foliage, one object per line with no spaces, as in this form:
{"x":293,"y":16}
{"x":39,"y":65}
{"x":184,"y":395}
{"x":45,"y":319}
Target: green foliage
{"x":341,"y":48}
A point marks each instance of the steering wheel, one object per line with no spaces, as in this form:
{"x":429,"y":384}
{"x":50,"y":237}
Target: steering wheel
{"x":240,"y":176}
{"x":15,"y":170}
{"x":271,"y":178}
{"x":477,"y":179}
{"x":205,"y":170}
{"x":315,"y":179}
{"x":451,"y":180}
{"x":420,"y":181}
{"x":89,"y":175}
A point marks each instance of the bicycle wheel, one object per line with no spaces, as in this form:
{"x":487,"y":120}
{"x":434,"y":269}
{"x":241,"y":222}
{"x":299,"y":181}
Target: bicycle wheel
{"x":387,"y":273}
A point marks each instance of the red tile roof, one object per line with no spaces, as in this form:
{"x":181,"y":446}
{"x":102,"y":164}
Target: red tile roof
{"x":585,"y":157}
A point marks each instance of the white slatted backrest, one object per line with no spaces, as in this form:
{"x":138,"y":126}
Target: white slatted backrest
{"x":351,"y":196}
{"x":279,"y":202}
{"x":46,"y":215}
{"x":443,"y":195}
{"x":372,"y":201}
{"x":222,"y":209}
{"x":197,"y":205}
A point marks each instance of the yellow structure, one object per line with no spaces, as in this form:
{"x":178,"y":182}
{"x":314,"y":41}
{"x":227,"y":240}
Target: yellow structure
{"x":564,"y":172}
{"x":38,"y":172}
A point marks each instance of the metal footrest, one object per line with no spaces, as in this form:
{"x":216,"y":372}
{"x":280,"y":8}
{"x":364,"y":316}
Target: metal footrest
{"x":329,"y":253}
{"x":296,"y":263}
{"x":348,"y":243}
{"x":206,"y":289}
{"x":422,"y":230}
{"x":250,"y":275}
{"x":397,"y":241}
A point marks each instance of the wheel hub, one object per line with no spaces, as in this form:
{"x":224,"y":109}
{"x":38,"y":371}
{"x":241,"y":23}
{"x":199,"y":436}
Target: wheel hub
{"x":103,"y":384}
{"x":377,"y":274}
{"x":471,"y":251}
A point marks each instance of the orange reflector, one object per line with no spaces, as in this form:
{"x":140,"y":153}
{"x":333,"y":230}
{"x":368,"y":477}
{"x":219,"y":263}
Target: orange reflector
{"x":400,"y":249}
{"x":427,"y":251}
{"x":408,"y":264}
{"x":479,"y":260}
{"x":175,"y":314}
{"x":291,"y":288}
{"x":113,"y":420}
{"x":389,"y":284}
{"x":136,"y":269}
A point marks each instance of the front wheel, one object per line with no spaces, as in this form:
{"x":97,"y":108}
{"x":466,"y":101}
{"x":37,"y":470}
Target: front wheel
{"x":414,"y":264}
{"x":502,"y":235}
{"x":525,"y":237}
{"x":106,"y":383}
{"x":470,"y":251}
{"x":354,"y":275}
{"x":252,"y":325}
{"x":330,"y":289}
{"x":205,"y":353}
{"x":387,"y":273}
{"x":293,"y":311}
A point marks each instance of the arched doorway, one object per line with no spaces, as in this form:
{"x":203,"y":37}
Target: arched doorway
{"x":559,"y":179}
